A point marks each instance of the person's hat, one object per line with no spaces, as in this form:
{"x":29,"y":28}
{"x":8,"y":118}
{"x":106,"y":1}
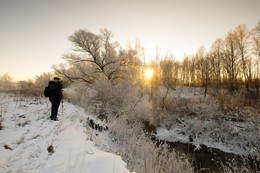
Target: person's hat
{"x":56,"y":78}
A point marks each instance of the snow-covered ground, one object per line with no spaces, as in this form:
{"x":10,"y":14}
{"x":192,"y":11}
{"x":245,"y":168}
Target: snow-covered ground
{"x":28,"y":132}
{"x":206,"y":124}
{"x":233,"y":137}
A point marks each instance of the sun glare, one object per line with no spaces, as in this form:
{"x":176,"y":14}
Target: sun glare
{"x":148,"y":73}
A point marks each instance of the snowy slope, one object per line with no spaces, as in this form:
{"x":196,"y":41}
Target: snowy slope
{"x":28,"y":132}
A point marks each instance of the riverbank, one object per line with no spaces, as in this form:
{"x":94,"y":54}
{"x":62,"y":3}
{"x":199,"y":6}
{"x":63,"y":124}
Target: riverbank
{"x":240,"y":138}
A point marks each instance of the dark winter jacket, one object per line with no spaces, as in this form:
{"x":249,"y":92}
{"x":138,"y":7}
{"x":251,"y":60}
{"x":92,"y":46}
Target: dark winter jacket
{"x":55,"y":90}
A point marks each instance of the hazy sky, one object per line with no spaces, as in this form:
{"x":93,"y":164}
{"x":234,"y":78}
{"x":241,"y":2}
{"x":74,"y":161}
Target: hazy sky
{"x":34,"y":33}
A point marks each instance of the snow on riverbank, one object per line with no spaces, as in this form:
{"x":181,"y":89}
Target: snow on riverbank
{"x":28,"y":132}
{"x":233,"y":137}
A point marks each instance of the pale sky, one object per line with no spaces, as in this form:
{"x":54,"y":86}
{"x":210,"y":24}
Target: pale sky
{"x":34,"y":33}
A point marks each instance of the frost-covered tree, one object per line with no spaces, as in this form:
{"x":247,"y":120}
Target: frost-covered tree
{"x":95,"y":56}
{"x":167,"y":75}
{"x":6,"y":82}
{"x":25,"y":84}
{"x":42,"y":80}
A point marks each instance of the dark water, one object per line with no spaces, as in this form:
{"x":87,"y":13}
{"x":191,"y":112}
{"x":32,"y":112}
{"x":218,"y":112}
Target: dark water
{"x":206,"y":159}
{"x":211,"y":160}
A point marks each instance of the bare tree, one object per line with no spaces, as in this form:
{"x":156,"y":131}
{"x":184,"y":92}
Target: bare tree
{"x":6,"y":81}
{"x":192,"y":69}
{"x":167,"y":71}
{"x":217,"y":49}
{"x":256,"y":52}
{"x":77,"y":72}
{"x":185,"y":70}
{"x":200,"y":55}
{"x":203,"y":60}
{"x":95,"y":56}
{"x":231,"y":59}
{"x":42,"y":80}
{"x":207,"y":71}
{"x":241,"y":36}
{"x":25,"y":84}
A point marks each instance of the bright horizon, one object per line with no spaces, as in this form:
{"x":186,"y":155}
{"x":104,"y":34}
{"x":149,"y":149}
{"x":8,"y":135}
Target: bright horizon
{"x":34,"y":34}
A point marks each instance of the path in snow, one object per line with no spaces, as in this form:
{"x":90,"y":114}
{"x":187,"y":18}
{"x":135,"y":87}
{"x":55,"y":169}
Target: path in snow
{"x":28,"y":132}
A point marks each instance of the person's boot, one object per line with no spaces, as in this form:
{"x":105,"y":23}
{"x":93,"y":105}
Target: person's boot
{"x":55,"y":118}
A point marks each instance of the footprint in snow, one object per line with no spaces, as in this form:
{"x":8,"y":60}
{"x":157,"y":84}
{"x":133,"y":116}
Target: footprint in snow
{"x":89,"y":151}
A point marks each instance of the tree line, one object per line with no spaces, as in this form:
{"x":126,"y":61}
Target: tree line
{"x":231,"y":63}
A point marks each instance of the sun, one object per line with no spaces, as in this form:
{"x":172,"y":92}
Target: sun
{"x":148,"y":73}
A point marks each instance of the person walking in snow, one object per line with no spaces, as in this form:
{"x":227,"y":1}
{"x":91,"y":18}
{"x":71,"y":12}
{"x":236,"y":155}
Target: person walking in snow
{"x":55,"y":96}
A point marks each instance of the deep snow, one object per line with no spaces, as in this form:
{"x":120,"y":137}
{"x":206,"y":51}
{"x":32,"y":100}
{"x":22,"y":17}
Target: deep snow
{"x":28,"y":132}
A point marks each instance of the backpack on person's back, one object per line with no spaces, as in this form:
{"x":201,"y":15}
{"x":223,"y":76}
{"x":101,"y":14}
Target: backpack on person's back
{"x":46,"y":91}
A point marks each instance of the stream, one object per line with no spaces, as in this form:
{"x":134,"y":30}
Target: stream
{"x":210,"y":160}
{"x":206,"y":159}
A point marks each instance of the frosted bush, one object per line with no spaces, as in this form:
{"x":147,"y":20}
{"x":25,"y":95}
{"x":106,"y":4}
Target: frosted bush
{"x":175,"y":108}
{"x":141,"y":153}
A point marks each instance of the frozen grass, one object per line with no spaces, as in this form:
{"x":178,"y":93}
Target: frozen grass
{"x":240,"y":100}
{"x":140,"y":152}
{"x":30,"y":92}
{"x":240,"y":166}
